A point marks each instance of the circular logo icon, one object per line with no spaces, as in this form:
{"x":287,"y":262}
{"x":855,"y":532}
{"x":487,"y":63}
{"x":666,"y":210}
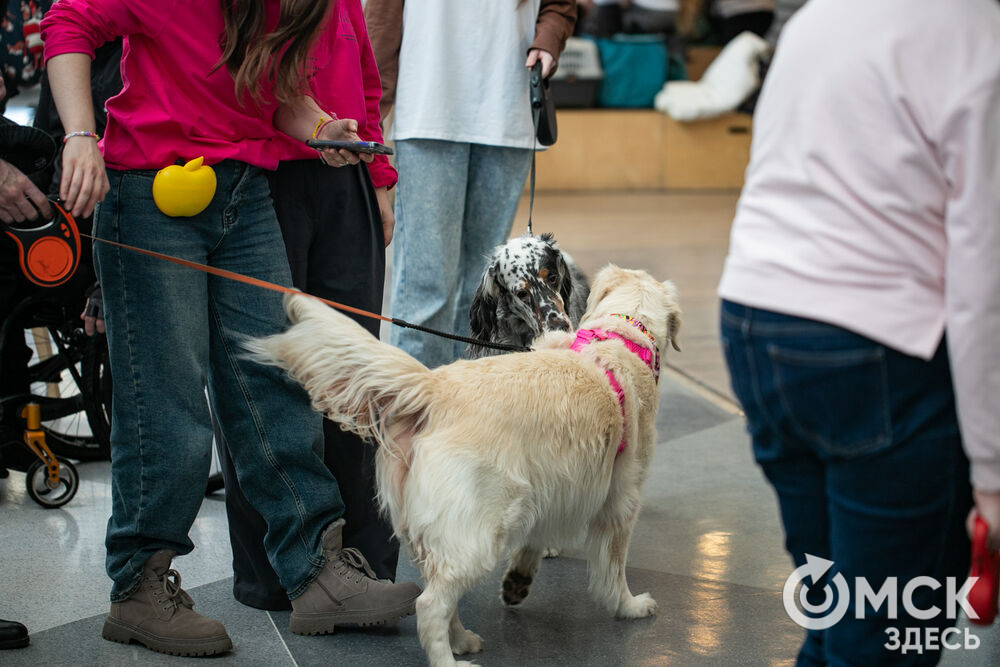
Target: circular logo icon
{"x":815,"y":568}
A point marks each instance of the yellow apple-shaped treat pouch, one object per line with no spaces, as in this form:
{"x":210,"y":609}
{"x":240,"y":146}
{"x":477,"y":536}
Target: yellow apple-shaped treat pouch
{"x":184,"y":191}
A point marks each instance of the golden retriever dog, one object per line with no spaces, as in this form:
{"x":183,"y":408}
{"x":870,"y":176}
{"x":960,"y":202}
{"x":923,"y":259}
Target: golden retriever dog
{"x":501,"y":456}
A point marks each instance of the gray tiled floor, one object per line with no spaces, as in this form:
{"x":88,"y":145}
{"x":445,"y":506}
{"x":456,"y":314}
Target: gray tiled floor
{"x":710,"y":610}
{"x":707,"y":545}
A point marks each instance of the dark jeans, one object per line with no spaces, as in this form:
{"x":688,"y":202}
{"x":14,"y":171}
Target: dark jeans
{"x":332,"y":230}
{"x":171,"y":331}
{"x":861,"y":444}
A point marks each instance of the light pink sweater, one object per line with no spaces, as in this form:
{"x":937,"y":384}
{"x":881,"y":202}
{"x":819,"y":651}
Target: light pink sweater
{"x":872,"y":199}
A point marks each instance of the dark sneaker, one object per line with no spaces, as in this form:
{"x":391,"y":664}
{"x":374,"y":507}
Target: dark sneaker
{"x":159,"y":615}
{"x":346,"y":592}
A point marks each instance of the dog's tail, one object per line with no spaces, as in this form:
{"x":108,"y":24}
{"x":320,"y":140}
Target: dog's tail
{"x":351,"y":377}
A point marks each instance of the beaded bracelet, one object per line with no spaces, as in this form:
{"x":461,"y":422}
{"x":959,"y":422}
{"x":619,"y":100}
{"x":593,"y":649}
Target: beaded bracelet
{"x":323,"y":122}
{"x":92,"y":135}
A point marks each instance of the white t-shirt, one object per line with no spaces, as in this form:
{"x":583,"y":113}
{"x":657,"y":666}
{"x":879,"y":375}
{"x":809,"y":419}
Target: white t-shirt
{"x":872,"y":199}
{"x":461,"y":72}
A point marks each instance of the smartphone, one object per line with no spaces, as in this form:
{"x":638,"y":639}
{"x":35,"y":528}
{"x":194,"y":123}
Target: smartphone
{"x":353,"y":146}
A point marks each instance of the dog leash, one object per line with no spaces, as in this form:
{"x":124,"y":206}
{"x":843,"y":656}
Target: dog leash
{"x":257,"y":282}
{"x":535,"y":112}
{"x":531,"y":178}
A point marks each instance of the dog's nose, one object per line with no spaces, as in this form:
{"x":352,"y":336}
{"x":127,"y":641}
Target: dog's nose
{"x":557,"y":323}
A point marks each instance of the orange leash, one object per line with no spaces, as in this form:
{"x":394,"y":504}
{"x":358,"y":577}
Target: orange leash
{"x":239,"y":277}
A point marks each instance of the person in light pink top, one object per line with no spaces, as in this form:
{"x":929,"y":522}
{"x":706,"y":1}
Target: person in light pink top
{"x":226,"y":82}
{"x":861,"y":300}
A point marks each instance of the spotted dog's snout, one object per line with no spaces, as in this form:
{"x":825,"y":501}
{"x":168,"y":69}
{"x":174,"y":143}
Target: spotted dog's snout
{"x":557,"y":321}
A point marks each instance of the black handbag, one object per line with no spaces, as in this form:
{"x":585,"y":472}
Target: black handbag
{"x":543,"y":108}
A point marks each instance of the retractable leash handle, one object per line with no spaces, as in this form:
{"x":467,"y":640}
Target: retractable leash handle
{"x":50,"y":253}
{"x":985,"y":565}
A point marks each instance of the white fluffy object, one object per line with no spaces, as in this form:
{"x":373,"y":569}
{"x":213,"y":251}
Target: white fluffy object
{"x":730,"y":79}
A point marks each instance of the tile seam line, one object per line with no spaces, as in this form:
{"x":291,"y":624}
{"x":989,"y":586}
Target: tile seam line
{"x":704,"y":390}
{"x":282,"y":640}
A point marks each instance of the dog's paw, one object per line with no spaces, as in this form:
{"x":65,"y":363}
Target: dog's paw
{"x":551,"y":552}
{"x":515,"y":587}
{"x":466,"y":642}
{"x":466,"y":663}
{"x":638,"y":606}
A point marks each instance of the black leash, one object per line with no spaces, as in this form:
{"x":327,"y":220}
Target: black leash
{"x":462,"y":339}
{"x":531,"y":178}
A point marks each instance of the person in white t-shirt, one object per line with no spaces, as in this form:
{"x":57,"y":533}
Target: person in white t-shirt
{"x":861,"y":305}
{"x":455,"y":73}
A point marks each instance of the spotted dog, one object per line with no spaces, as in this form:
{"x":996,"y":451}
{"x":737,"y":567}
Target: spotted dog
{"x":529,"y":287}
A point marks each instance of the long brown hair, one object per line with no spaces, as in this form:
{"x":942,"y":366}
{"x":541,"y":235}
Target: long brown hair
{"x":252,"y":56}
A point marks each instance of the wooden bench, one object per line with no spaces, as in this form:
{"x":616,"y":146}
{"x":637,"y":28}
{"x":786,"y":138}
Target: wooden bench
{"x":643,"y":149}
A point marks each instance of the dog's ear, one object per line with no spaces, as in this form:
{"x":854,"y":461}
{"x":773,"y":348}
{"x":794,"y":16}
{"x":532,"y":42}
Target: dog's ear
{"x":548,"y":238}
{"x":483,"y":312}
{"x":673,"y":327}
{"x":565,"y":280}
{"x":674,"y":314}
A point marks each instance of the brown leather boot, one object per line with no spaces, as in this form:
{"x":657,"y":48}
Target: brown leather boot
{"x":159,"y":615}
{"x":346,"y":592}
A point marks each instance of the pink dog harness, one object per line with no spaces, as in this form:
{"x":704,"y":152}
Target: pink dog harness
{"x":649,"y":357}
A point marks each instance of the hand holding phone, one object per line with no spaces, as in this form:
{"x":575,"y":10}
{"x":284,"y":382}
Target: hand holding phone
{"x":372,"y":147}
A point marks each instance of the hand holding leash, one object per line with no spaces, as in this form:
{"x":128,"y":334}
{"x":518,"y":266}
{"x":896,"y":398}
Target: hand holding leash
{"x":20,"y":200}
{"x":48,"y":252}
{"x":986,"y":567}
{"x":988,"y":509}
{"x":547,"y":59}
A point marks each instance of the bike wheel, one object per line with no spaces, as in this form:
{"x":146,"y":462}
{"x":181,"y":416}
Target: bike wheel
{"x":73,"y":386}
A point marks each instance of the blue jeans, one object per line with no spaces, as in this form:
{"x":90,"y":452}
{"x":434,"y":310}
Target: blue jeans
{"x":455,"y":202}
{"x":861,"y":444}
{"x":172,"y":332}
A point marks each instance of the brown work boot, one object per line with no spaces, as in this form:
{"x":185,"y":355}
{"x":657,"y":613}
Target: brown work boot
{"x":346,"y":592}
{"x":159,"y":615}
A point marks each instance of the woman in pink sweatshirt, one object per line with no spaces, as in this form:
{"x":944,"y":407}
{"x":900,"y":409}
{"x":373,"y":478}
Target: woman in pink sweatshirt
{"x":219,"y":81}
{"x":336,"y":224}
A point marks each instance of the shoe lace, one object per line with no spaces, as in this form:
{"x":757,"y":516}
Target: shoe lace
{"x":172,"y":593}
{"x":353,"y":559}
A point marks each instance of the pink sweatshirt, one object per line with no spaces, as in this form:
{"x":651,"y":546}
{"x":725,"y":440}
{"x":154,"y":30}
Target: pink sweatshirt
{"x":873,"y":193}
{"x":346,"y":83}
{"x":171,"y":107}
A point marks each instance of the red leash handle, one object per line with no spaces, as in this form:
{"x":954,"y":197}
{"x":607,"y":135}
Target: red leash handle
{"x":985,"y":565}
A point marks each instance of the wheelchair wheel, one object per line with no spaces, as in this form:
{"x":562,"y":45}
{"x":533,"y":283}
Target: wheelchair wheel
{"x":73,"y":386}
{"x":36,"y":480}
